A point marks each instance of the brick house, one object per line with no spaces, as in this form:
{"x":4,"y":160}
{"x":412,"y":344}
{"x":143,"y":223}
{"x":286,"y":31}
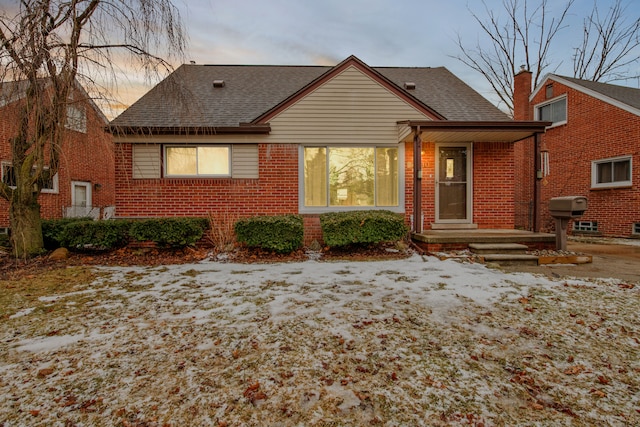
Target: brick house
{"x":264,"y":140}
{"x":592,"y":149}
{"x":85,"y":182}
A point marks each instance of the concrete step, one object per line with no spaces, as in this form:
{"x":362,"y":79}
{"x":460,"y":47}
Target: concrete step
{"x":498,"y":248}
{"x":510,"y":259}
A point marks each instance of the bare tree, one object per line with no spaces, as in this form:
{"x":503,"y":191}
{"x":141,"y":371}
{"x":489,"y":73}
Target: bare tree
{"x":47,"y":48}
{"x":610,"y":45}
{"x":524,"y":38}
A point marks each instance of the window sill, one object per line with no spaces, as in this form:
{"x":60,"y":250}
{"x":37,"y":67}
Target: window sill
{"x":557,"y":125}
{"x":321,"y":210}
{"x":612,"y":187}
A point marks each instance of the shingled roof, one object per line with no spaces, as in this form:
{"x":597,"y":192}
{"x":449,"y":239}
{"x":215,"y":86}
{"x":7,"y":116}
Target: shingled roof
{"x":188,"y":98}
{"x":623,"y":94}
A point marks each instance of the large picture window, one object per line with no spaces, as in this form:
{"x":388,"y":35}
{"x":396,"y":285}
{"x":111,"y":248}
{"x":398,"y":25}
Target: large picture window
{"x":197,"y":161}
{"x":614,"y":172}
{"x":342,"y":176}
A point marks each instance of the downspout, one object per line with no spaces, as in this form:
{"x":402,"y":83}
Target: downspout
{"x":417,"y":182}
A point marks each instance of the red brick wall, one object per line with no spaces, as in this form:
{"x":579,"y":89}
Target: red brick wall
{"x":594,"y":130}
{"x":85,"y":157}
{"x":493,"y":185}
{"x":276,"y":191}
{"x":524,"y":175}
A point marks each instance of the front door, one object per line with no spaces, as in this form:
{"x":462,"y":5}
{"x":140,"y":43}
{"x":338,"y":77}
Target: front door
{"x":453,"y":183}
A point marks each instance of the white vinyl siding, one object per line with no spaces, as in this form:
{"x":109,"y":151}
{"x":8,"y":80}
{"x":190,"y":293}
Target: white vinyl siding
{"x":244,"y":161}
{"x":351,"y":108}
{"x":146,"y":161}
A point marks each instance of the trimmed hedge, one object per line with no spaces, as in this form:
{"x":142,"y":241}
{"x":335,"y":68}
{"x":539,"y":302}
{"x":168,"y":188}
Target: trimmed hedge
{"x":169,"y":232}
{"x":87,"y":234}
{"x":357,"y":227}
{"x":52,"y":230}
{"x":94,"y":235}
{"x":278,"y":233}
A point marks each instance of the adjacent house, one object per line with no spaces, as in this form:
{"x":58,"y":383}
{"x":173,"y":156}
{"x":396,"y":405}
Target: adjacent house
{"x":591,"y":149}
{"x":263,"y":140}
{"x":85,"y":182}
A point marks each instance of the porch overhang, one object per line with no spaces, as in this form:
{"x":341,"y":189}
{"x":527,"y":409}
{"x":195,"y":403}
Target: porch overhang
{"x":446,"y":131}
{"x":473,"y":131}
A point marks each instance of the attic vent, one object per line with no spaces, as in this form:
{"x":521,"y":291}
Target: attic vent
{"x":218,"y":83}
{"x":409,"y":85}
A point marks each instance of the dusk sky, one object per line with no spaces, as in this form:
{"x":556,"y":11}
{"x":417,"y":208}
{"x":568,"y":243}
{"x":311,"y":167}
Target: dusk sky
{"x":415,"y":33}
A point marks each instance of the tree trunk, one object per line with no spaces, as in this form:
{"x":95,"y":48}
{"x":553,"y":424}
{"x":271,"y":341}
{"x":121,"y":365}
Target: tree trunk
{"x":26,"y":226}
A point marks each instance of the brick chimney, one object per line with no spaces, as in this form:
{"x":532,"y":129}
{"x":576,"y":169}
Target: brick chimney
{"x":521,"y":92}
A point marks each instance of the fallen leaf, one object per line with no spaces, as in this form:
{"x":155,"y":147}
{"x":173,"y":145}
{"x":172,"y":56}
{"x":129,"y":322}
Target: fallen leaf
{"x":574,"y":370}
{"x":45,"y":372}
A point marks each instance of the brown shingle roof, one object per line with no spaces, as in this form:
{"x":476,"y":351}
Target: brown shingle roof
{"x":624,"y":94}
{"x":188,"y":99}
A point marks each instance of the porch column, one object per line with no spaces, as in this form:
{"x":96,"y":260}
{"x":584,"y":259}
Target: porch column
{"x":417,"y":181}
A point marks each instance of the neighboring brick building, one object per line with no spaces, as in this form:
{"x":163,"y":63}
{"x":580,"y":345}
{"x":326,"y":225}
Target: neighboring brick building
{"x":85,"y":182}
{"x":253,"y":140}
{"x":592,"y":150}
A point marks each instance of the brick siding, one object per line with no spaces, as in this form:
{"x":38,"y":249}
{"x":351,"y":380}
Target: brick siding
{"x":85,"y":157}
{"x":594,"y":130}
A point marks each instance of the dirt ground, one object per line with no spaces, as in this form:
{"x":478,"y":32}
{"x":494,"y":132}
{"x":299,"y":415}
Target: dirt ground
{"x":619,"y":261}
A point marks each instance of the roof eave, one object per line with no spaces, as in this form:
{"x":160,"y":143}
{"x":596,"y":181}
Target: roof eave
{"x":242,"y":129}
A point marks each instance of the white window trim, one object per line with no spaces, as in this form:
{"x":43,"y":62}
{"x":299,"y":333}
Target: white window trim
{"x":323,"y":209}
{"x":76,"y":123}
{"x":594,"y":173}
{"x":537,"y":108}
{"x":54,"y":190}
{"x":164,"y":156}
{"x":85,"y":184}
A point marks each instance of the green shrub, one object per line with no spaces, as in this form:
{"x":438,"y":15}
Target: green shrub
{"x":357,"y":227}
{"x":94,"y":235}
{"x":169,"y":232}
{"x":51,"y":229}
{"x":280,"y":233}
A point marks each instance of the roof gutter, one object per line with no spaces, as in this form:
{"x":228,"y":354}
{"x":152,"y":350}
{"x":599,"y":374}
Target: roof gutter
{"x":466,"y":126}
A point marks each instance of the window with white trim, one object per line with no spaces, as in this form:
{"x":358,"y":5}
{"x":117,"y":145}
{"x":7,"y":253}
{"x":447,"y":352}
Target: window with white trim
{"x":351,"y":176}
{"x":9,"y":178}
{"x":554,"y":111}
{"x":76,"y":118}
{"x":197,"y":161}
{"x":636,"y":228}
{"x":613,"y":172}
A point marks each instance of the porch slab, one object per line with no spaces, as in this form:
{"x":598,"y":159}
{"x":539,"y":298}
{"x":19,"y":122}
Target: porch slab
{"x":442,"y":240}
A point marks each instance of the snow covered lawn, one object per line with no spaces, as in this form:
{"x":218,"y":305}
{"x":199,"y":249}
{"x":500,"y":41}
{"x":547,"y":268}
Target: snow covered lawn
{"x":405,"y":342}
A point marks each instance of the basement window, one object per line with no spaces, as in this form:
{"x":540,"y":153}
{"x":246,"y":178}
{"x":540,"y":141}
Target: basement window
{"x":585,"y":226}
{"x":636,"y":228}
